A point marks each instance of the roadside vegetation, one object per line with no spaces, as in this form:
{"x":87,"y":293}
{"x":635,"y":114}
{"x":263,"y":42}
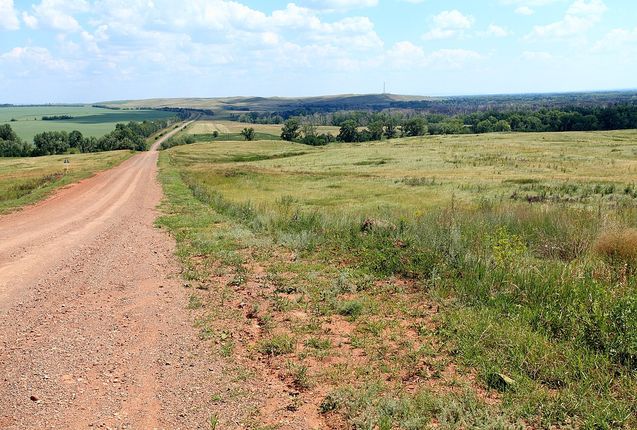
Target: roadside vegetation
{"x":27,"y":121}
{"x":30,"y":172}
{"x":447,"y":282}
{"x":132,"y":136}
{"x":26,"y":180}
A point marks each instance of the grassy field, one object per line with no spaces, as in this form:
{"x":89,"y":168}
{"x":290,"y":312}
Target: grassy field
{"x":27,"y":180}
{"x":230,"y":130}
{"x":446,"y":282}
{"x":89,"y":120}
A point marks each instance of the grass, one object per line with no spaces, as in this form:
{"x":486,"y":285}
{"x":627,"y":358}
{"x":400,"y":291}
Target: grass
{"x":26,"y":180}
{"x":403,"y":293}
{"x":89,"y":120}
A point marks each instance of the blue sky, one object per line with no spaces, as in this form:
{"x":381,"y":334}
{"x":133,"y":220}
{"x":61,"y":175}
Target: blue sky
{"x":85,"y":51}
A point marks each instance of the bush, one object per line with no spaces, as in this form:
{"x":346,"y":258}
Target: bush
{"x":184,"y":139}
{"x":618,"y":247}
{"x":11,"y":148}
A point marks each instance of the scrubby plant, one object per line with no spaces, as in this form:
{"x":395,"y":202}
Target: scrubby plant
{"x":618,"y":247}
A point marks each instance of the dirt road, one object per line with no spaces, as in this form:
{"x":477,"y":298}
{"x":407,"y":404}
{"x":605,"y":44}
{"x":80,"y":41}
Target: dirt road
{"x":93,"y":327}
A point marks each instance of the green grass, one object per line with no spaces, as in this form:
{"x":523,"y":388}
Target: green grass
{"x":27,"y":180}
{"x":423,"y":277}
{"x":87,"y":119}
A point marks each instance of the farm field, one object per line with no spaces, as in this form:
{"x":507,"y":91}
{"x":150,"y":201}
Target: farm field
{"x":230,"y":130}
{"x":27,"y":180}
{"x":455,"y":282}
{"x":89,"y":120}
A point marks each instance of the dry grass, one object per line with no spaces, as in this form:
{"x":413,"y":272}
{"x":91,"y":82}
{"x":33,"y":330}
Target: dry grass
{"x":27,"y":180}
{"x":207,"y":127}
{"x":618,"y":246}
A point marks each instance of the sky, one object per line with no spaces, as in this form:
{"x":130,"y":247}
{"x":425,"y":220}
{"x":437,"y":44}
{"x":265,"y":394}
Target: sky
{"x":62,"y":51}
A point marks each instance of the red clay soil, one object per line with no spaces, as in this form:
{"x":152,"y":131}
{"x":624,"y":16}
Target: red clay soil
{"x":93,"y":327}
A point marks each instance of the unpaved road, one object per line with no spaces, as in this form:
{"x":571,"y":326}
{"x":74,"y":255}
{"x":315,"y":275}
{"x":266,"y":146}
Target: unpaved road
{"x":93,"y":327}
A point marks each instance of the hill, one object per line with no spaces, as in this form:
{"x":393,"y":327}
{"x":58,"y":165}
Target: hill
{"x":229,"y":106}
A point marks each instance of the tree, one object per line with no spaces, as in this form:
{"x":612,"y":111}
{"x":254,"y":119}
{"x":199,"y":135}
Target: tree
{"x":484,"y":126}
{"x":376,"y":130}
{"x":415,"y":127}
{"x":348,"y":131}
{"x":290,"y":130}
{"x":51,"y":143}
{"x":89,"y":144}
{"x":75,"y":139}
{"x":7,"y":133}
{"x":391,"y":129}
{"x":248,"y":133}
{"x":502,"y":125}
{"x":15,"y":148}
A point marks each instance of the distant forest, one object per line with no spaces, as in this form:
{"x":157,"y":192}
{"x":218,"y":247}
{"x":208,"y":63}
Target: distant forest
{"x":479,"y":114}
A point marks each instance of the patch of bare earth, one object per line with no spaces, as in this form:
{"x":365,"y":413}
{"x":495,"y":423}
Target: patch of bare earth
{"x":262,"y":308}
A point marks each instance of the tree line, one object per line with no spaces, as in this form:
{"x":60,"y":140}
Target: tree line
{"x":367,"y":126}
{"x":131,"y":136}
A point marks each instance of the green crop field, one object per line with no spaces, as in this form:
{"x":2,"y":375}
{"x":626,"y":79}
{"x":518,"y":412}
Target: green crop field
{"x":27,"y":180}
{"x":456,"y":282}
{"x":89,"y":120}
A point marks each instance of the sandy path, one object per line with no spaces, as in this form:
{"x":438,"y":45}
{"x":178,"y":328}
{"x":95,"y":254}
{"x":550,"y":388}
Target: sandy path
{"x":93,"y":327}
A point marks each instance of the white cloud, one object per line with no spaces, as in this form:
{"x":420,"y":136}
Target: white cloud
{"x":530,"y":3}
{"x":199,"y":36}
{"x":496,"y":31}
{"x":618,"y":39}
{"x":580,"y":16}
{"x":32,"y":59}
{"x":448,"y":24}
{"x":342,"y":5}
{"x":524,"y":10}
{"x":56,"y":15}
{"x":406,"y":55}
{"x":8,"y":16}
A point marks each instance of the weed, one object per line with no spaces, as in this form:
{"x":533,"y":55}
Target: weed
{"x":351,"y":308}
{"x":194,"y":302}
{"x":213,"y":422}
{"x":277,"y":345}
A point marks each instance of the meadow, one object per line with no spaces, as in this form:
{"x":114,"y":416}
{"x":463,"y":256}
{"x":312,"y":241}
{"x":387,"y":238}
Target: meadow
{"x":26,"y":180}
{"x":90,"y":121}
{"x":231,"y":130}
{"x":474,"y":281}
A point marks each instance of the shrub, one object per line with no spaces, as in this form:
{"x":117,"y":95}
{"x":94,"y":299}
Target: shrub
{"x":618,"y":247}
{"x":351,"y":308}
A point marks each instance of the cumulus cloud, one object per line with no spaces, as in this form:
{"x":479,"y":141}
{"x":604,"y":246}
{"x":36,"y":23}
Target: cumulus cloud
{"x":8,"y":16}
{"x":618,"y":39}
{"x":580,"y":17}
{"x":496,"y":31}
{"x":407,"y":55}
{"x":448,"y":24}
{"x":33,"y":59}
{"x":342,"y":5}
{"x":56,"y":15}
{"x":524,"y":10}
